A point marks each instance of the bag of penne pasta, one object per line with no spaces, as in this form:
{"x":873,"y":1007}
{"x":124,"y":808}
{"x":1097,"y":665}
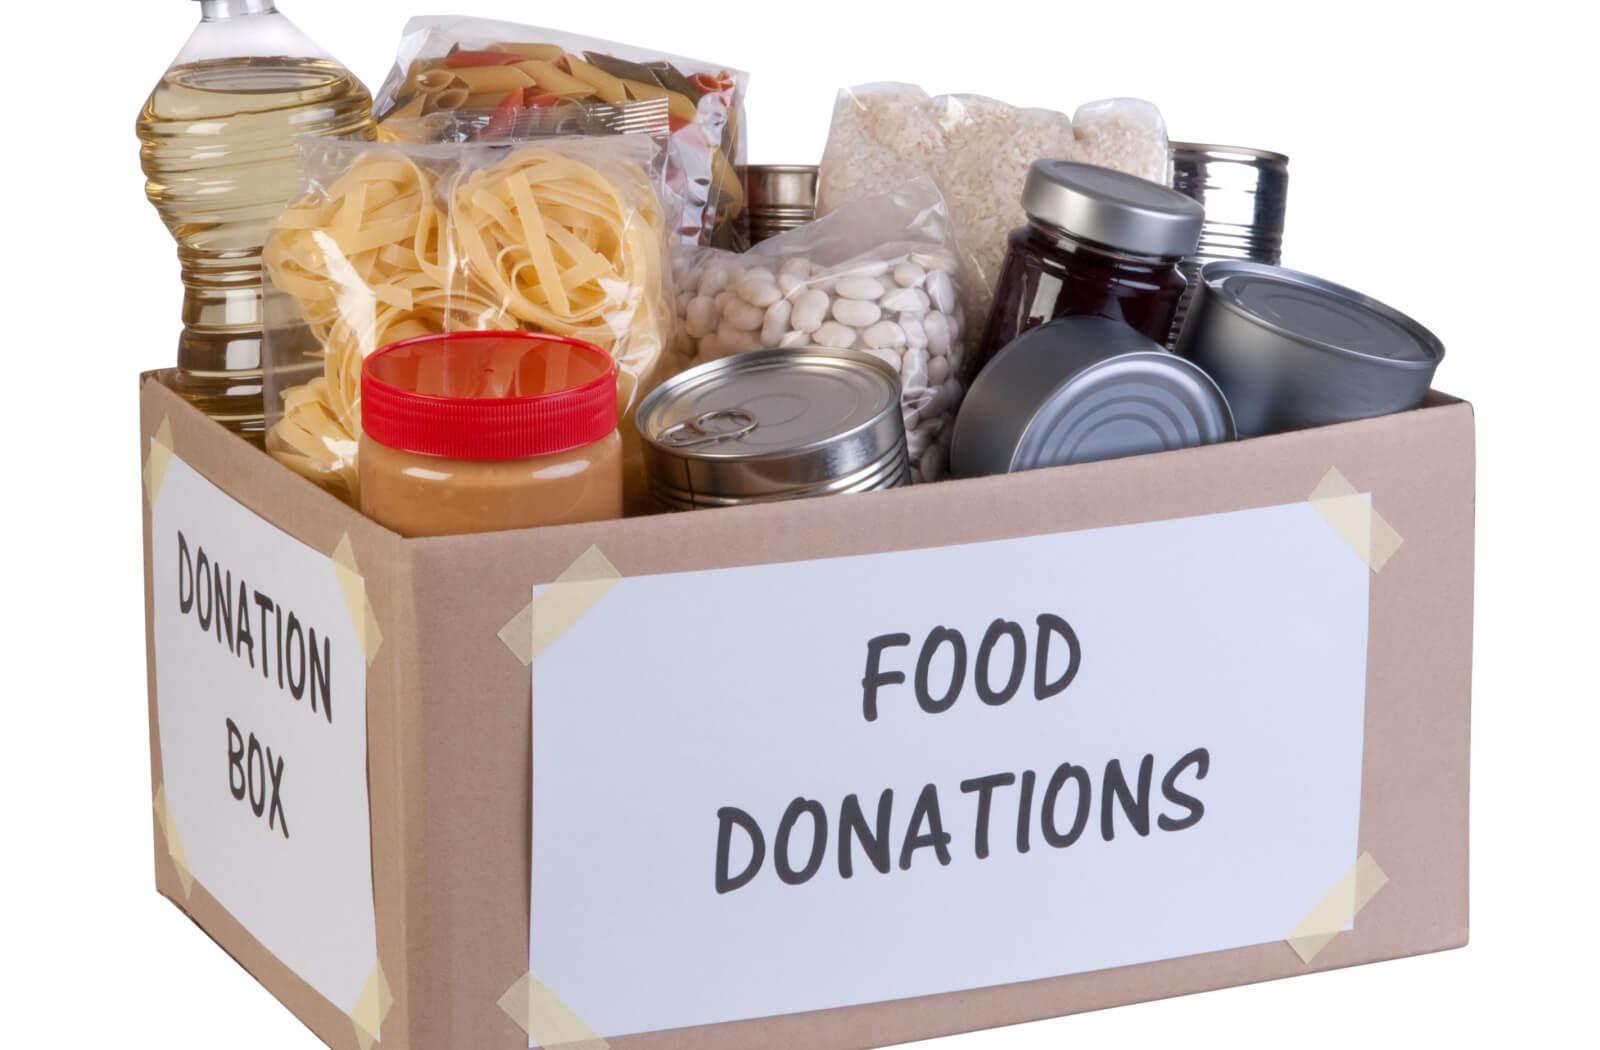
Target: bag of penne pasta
{"x":505,"y":81}
{"x":389,"y":241}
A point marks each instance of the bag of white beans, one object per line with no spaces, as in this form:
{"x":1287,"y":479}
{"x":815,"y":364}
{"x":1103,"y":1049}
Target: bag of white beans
{"x":879,"y":275}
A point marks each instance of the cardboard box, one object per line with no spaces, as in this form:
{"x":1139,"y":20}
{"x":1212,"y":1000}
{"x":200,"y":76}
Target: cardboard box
{"x":739,"y":673}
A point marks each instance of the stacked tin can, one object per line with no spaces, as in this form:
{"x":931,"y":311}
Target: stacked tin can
{"x":769,"y":425}
{"x":781,"y":197}
{"x":1245,"y":193}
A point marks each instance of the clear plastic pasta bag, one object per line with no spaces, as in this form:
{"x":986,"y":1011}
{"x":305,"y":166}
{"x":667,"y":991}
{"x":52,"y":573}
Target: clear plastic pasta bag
{"x":393,"y":241}
{"x":519,"y":81}
{"x":978,"y":151}
{"x":879,"y":275}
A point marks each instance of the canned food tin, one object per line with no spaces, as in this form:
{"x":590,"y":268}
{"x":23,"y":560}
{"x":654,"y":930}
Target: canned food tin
{"x":780,"y":196}
{"x":1293,"y":351}
{"x":772,"y":425}
{"x":1245,"y":193}
{"x":1082,"y":389}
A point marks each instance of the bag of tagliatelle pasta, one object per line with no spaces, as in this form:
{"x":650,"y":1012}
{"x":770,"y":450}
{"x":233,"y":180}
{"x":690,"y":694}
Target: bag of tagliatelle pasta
{"x":503,"y":76}
{"x":393,"y":241}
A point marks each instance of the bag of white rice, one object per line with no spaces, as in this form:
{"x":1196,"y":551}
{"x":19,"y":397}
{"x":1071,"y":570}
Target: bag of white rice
{"x":977,"y":150}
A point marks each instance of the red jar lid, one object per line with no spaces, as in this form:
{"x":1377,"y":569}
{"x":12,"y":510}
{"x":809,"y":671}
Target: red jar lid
{"x":488,"y":395}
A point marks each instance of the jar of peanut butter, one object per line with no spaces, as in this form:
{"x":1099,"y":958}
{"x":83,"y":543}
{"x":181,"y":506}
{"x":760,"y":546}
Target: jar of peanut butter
{"x":484,"y":431}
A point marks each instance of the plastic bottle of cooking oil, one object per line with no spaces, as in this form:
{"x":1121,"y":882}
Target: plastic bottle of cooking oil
{"x":220,"y":160}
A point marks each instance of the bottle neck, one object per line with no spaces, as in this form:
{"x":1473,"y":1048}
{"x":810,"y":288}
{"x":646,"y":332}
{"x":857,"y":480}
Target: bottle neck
{"x":1064,"y":240}
{"x":214,"y":10}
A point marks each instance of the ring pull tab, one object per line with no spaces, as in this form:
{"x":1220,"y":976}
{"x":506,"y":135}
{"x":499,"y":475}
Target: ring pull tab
{"x":723,"y":424}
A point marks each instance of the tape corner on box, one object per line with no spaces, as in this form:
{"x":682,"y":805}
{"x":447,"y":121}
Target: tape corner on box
{"x":372,"y":1008}
{"x":1337,"y":909}
{"x":560,"y":605}
{"x":1354,"y":518}
{"x":169,"y":832}
{"x":354,"y":587}
{"x":158,"y":459}
{"x":546,"y":1020}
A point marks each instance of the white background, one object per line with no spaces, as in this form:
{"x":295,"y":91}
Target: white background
{"x":1443,"y":160}
{"x":1267,"y":673}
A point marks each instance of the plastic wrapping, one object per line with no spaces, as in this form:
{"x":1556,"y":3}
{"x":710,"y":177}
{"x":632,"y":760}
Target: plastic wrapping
{"x":391,"y":241}
{"x":978,"y":151}
{"x":518,"y":81}
{"x":879,"y":275}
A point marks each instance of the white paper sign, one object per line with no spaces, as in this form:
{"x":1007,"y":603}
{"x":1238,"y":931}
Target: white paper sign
{"x":261,"y":705}
{"x":1220,"y":664}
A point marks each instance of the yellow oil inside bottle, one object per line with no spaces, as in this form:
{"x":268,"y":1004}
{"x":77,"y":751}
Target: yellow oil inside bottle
{"x":220,"y":162}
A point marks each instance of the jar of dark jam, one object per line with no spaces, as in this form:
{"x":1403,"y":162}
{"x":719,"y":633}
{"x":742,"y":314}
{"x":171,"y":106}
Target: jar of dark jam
{"x":1098,"y":242}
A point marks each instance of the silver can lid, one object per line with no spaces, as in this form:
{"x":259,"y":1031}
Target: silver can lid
{"x":774,"y":424}
{"x":1113,"y":209}
{"x":1079,"y":390}
{"x":1311,"y":310}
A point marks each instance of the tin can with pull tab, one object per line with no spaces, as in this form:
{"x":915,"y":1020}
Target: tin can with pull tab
{"x":773,"y":425}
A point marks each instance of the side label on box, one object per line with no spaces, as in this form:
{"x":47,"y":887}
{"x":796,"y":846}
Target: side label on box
{"x":790,"y":787}
{"x":261,"y":688}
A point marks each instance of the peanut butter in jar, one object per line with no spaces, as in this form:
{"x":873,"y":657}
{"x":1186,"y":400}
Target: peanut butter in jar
{"x":485,"y":431}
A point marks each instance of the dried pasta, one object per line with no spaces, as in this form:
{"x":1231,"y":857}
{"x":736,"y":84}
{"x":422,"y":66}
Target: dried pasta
{"x":405,"y":244}
{"x":608,"y":88}
{"x":547,"y":52}
{"x":467,"y":68}
{"x":491,"y":80}
{"x":552,"y":80}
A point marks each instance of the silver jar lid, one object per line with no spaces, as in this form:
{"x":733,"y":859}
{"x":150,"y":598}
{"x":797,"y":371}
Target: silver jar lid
{"x":1119,"y":211}
{"x":772,"y":425}
{"x":781,"y":186}
{"x":1082,"y":389}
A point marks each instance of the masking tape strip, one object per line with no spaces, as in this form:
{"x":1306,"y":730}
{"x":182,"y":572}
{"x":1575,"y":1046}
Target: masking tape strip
{"x":169,"y":831}
{"x":1352,"y":517}
{"x":559,"y":605}
{"x":156,"y":463}
{"x":547,"y":1020}
{"x":1338,"y":908}
{"x":529,"y":1001}
{"x":373,"y":1006}
{"x":355,"y":597}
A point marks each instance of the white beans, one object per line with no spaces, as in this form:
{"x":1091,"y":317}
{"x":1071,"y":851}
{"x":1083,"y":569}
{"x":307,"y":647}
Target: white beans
{"x":937,"y":325}
{"x":759,"y":291}
{"x":776,"y":322}
{"x":856,"y":313}
{"x":860,"y":288}
{"x":888,"y":357}
{"x":914,"y":369}
{"x":942,"y":292}
{"x":810,"y":310}
{"x":741,"y":314}
{"x":906,"y":300}
{"x":884,"y":333}
{"x":911,"y":325}
{"x":714,"y":279}
{"x":834,"y":334}
{"x":701,"y":316}
{"x":899,"y":307}
{"x":908,"y":274}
